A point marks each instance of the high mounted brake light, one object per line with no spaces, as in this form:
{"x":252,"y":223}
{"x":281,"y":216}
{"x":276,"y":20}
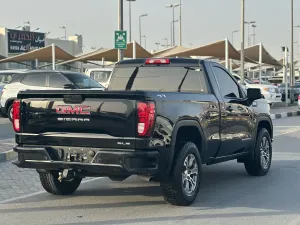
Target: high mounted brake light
{"x":158,"y":61}
{"x":145,"y":116}
{"x":16,"y":115}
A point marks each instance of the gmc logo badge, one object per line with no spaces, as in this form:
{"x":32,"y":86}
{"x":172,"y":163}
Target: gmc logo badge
{"x":77,"y":109}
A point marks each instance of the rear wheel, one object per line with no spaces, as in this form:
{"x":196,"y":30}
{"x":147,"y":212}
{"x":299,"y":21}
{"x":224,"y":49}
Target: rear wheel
{"x":51,"y":184}
{"x":182,"y":187}
{"x":260,"y":162}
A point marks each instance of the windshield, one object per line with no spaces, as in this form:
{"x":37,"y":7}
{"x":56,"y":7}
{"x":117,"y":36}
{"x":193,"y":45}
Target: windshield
{"x":101,"y":76}
{"x":82,"y":81}
{"x":5,"y":78}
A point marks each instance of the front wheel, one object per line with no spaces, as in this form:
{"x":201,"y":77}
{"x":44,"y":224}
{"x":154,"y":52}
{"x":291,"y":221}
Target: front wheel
{"x":182,"y":187}
{"x":260,"y":162}
{"x":51,"y":184}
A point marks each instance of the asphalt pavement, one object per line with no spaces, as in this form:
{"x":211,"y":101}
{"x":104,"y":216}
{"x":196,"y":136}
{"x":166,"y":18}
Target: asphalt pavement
{"x":6,"y":135}
{"x":227,"y":194}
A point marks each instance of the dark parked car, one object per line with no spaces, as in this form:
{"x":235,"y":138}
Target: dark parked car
{"x":160,"y":118}
{"x":296,"y":91}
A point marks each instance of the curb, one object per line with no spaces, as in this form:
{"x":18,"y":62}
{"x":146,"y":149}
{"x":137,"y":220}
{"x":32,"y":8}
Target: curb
{"x":284,"y":115}
{"x":8,"y":155}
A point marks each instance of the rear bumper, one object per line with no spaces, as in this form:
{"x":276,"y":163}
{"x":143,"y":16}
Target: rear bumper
{"x":2,"y":110}
{"x":104,"y":162}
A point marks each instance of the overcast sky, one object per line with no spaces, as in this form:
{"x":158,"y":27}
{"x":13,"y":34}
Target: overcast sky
{"x":203,"y":21}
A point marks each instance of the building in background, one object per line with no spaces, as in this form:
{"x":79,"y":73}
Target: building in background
{"x":15,"y":42}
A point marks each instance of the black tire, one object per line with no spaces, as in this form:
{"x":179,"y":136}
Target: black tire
{"x":254,"y":165}
{"x":51,"y":184}
{"x":173,"y":190}
{"x":9,"y":112}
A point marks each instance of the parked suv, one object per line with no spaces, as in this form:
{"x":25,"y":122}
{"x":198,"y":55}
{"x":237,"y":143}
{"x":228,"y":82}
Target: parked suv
{"x":161,"y":119}
{"x":42,"y":80}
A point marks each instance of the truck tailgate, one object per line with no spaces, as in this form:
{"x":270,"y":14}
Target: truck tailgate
{"x":79,"y":118}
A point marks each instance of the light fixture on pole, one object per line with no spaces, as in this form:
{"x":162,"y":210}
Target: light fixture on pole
{"x":18,"y":27}
{"x":173,"y":6}
{"x":140,"y":24}
{"x":242,"y":40}
{"x":233,"y":32}
{"x":65,"y":29}
{"x":254,"y":34}
{"x":36,"y":29}
{"x":249,"y":36}
{"x":129,"y":1}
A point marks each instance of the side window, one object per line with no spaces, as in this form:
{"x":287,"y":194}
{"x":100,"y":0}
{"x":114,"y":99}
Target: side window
{"x":195,"y":82}
{"x":57,"y":81}
{"x":227,"y":85}
{"x":35,"y":80}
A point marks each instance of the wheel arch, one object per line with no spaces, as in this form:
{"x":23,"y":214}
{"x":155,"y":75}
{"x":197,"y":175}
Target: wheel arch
{"x":178,"y":128}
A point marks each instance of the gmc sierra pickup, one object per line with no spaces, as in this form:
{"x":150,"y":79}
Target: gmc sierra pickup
{"x":160,"y":119}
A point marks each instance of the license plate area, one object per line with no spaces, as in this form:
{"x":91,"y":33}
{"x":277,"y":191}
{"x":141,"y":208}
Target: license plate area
{"x":76,"y":157}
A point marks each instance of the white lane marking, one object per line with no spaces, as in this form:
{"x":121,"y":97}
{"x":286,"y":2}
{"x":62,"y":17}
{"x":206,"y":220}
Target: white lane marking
{"x":42,"y":192}
{"x":288,"y":132}
{"x":287,"y":126}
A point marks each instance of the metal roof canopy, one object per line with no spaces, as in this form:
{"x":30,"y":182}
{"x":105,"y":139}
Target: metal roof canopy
{"x":112,"y":54}
{"x":170,"y":51}
{"x":261,"y":55}
{"x":220,"y":49}
{"x":42,"y":55}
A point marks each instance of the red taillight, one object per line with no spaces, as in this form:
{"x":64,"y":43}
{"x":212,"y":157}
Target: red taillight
{"x":299,"y":97}
{"x":146,"y":117}
{"x":158,"y":61}
{"x":16,"y":115}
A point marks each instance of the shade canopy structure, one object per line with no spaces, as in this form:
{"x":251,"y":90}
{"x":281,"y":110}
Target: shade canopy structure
{"x":42,"y":54}
{"x":220,"y":49}
{"x":111,"y":54}
{"x":169,"y":51}
{"x":253,"y":53}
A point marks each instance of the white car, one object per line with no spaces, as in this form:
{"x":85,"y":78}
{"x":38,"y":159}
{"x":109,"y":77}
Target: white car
{"x":43,"y":80}
{"x":101,"y":75}
{"x":270,"y":92}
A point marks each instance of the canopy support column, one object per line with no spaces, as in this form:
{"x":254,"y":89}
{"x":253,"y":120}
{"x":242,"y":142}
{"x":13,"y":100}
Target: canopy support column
{"x":230,"y":60}
{"x":103,"y":60}
{"x":260,"y":61}
{"x":53,"y":57}
{"x":226,"y":53}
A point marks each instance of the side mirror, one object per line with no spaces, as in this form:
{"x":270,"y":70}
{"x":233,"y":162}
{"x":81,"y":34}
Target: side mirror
{"x":254,"y":94}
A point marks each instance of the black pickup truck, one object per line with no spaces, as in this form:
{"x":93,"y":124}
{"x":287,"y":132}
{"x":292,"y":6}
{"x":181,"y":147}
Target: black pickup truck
{"x":161,"y":119}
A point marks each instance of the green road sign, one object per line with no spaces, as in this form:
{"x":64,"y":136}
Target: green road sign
{"x":120,"y":39}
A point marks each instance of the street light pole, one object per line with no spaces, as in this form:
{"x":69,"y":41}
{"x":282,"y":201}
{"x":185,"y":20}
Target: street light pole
{"x":63,"y":27}
{"x":129,"y":1}
{"x":145,"y":41}
{"x":120,"y":26}
{"x":254,"y":26}
{"x":292,"y":76}
{"x":157,"y":44}
{"x":249,"y":36}
{"x":242,"y":39}
{"x":233,"y":32}
{"x":140,"y":24}
{"x":180,"y":24}
{"x":173,"y":33}
{"x":298,"y":41}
